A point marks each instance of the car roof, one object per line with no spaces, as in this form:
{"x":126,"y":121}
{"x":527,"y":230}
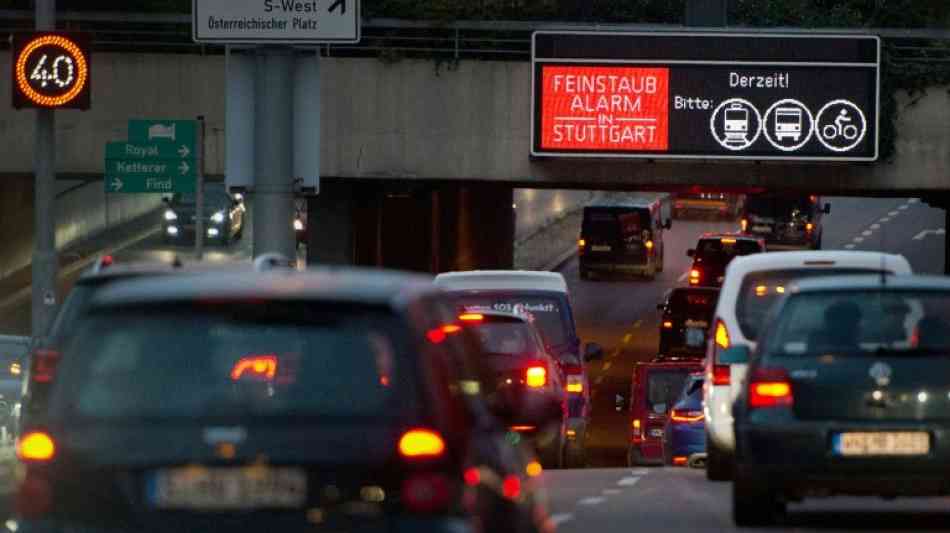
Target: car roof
{"x":872,"y":282}
{"x":353,"y":285}
{"x":502,"y":280}
{"x":686,"y":363}
{"x":633,"y":203}
{"x":737,"y":236}
{"x":788,"y":260}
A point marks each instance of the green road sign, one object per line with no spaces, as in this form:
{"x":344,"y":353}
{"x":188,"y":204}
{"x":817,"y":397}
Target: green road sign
{"x":149,"y":151}
{"x":142,"y":183}
{"x":174,"y":132}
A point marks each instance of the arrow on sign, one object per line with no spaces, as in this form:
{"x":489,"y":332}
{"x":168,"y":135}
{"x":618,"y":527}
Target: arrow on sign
{"x":339,"y":3}
{"x":116,"y":184}
{"x":183,"y":168}
{"x":184,"y":151}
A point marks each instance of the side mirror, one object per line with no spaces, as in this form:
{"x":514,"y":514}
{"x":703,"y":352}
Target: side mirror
{"x":620,"y":403}
{"x":690,"y":253}
{"x":735,"y":355}
{"x":668,"y":224}
{"x":593,"y":351}
{"x":827,"y":209}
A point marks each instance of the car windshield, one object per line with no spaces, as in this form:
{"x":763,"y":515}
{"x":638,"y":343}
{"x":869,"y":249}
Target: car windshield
{"x":507,"y":338}
{"x":215,"y":194}
{"x":722,"y":251}
{"x":759,"y":290}
{"x":863,"y":322}
{"x":664,"y":388}
{"x":779,"y":206}
{"x":544,"y":312}
{"x":248,"y":359}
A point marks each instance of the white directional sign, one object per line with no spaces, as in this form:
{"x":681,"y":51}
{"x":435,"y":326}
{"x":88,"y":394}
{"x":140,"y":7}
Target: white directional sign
{"x":276,"y":21}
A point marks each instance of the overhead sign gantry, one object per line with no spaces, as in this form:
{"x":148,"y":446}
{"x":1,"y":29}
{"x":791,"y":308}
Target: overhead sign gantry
{"x":706,"y":96}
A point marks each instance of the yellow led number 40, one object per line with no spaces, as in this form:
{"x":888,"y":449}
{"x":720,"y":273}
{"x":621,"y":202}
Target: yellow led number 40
{"x":51,"y":70}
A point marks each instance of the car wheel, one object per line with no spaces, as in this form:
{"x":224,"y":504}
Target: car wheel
{"x":668,"y":450}
{"x":575,"y":457}
{"x":718,"y":463}
{"x":552,"y":457}
{"x":754,"y":503}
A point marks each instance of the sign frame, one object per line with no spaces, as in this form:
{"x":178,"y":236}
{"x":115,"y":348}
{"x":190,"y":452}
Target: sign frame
{"x":82,"y":100}
{"x":536,"y":111}
{"x":197,"y":37}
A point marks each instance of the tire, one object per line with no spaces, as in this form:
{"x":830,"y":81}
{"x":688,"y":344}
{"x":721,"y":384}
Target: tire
{"x":754,"y":503}
{"x":718,"y":463}
{"x":668,"y":450}
{"x":575,"y":457}
{"x":552,"y":457}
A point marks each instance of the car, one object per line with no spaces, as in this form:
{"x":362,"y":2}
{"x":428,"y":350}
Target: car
{"x":255,"y":400}
{"x":752,"y":285}
{"x":718,"y":204}
{"x":223,"y":212}
{"x":622,"y":236}
{"x":845,"y":397}
{"x":684,"y":441}
{"x":13,"y":351}
{"x":685,"y":320}
{"x":519,"y":364}
{"x":713,"y":253}
{"x":542,"y":298}
{"x":785,"y":221}
{"x":654,"y":389}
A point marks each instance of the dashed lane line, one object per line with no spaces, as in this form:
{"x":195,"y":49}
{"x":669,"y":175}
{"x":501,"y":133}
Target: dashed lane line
{"x":884,"y":219}
{"x":627,"y":337}
{"x":867,"y":233}
{"x":606,"y":366}
{"x":893,"y":213}
{"x":903,"y":207}
{"x":560,"y":518}
{"x":593,"y":500}
{"x":875,"y":226}
{"x":637,"y":324}
{"x":611,"y":492}
{"x":639,"y":472}
{"x":628,"y":481}
{"x":913,"y":200}
{"x":849,"y":246}
{"x":858,"y":239}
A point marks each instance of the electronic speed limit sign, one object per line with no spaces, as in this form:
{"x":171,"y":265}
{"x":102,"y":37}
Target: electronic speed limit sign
{"x":51,"y":70}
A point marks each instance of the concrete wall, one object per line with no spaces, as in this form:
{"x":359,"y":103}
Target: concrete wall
{"x":406,"y":120}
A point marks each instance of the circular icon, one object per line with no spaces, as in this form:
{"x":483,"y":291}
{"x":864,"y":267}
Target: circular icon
{"x":51,"y":70}
{"x":788,"y":125}
{"x":840,"y":125}
{"x":740,"y":125}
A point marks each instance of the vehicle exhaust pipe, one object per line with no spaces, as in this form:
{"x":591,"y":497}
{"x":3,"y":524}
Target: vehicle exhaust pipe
{"x":697,"y":460}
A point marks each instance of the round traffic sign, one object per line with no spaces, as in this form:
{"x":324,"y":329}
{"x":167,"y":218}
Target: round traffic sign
{"x":51,"y":70}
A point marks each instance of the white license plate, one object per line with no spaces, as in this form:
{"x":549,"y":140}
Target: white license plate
{"x":695,"y":337}
{"x":202,"y":488}
{"x":761,"y":229}
{"x":597,"y":248}
{"x":906,"y":443}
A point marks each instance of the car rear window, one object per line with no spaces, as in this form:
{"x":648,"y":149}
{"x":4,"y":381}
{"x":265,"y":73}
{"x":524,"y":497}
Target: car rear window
{"x":760,"y":290}
{"x":507,"y":338}
{"x":266,"y":359}
{"x":546,"y":313}
{"x":664,"y":388}
{"x":613,"y":223}
{"x":698,"y":303}
{"x":778,"y":206}
{"x":724,"y":250}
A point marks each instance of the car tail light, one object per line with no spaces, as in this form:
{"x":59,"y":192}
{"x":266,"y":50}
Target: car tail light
{"x":436,"y":336}
{"x":472,"y":476}
{"x":770,"y":388}
{"x":722,"y":335}
{"x":744,"y":223}
{"x":34,"y":496}
{"x":511,"y":487}
{"x":451,"y":328}
{"x":686,"y":417}
{"x":637,"y":428}
{"x":536,"y":376}
{"x":45,"y":362}
{"x":261,"y":367}
{"x":667,"y":324}
{"x":680,"y":460}
{"x":421,"y":443}
{"x":575,"y":383}
{"x":721,"y":375}
{"x":809,"y":226}
{"x":649,"y":245}
{"x":472,"y":317}
{"x":426,"y":493}
{"x":36,"y":447}
{"x":581,"y":243}
{"x":694,"y":276}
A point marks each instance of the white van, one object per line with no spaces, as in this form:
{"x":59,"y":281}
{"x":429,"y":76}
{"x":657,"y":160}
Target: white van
{"x":752,"y":283}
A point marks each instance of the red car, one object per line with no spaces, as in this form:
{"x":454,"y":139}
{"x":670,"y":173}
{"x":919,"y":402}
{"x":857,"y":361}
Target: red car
{"x":656,"y":387}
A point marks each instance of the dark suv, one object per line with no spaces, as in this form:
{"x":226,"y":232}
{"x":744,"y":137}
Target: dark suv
{"x":278,"y":400}
{"x":785,"y":221}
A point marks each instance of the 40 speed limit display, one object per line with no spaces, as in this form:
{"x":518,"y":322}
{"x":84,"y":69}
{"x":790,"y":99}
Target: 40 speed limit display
{"x":51,"y":70}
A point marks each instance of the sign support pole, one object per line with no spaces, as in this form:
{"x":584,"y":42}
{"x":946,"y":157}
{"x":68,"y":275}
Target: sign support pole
{"x":273,"y":152}
{"x":44,"y":264}
{"x":200,"y":190}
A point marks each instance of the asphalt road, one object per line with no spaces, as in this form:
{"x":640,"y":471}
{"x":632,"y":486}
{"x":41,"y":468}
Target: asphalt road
{"x":621,"y":315}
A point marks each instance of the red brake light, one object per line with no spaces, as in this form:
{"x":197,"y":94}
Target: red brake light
{"x":536,"y":376}
{"x":421,"y":443}
{"x":511,"y":487}
{"x":472,"y":476}
{"x":436,"y":336}
{"x":45,"y":362}
{"x":261,"y":367}
{"x":426,"y":493}
{"x":686,"y":416}
{"x":770,"y":388}
{"x":721,"y":375}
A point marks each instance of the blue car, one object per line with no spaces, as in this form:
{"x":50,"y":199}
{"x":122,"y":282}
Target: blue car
{"x":685,"y":434}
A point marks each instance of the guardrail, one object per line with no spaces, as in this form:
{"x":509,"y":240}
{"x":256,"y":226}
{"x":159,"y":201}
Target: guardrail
{"x":391,"y":39}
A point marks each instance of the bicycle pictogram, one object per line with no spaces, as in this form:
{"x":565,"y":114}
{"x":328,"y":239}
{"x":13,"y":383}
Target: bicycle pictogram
{"x":840,"y":125}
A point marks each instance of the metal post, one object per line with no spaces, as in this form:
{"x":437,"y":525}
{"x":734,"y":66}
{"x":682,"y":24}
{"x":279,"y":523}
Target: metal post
{"x":200,"y":190}
{"x":273,"y":152}
{"x":44,"y":265}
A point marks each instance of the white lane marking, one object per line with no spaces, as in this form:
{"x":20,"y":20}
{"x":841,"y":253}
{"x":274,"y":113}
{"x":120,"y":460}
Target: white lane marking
{"x":913,"y":200}
{"x":593,"y":500}
{"x":893,"y":213}
{"x":903,"y":207}
{"x":884,"y":219}
{"x":606,"y":366}
{"x":627,"y":337}
{"x":639,"y":471}
{"x":610,"y":492}
{"x":628,"y":481}
{"x":849,"y":246}
{"x":875,"y":226}
{"x":924,"y":233}
{"x":867,"y":233}
{"x":858,"y":239}
{"x":560,"y":518}
{"x":638,"y":323}
{"x":684,"y":276}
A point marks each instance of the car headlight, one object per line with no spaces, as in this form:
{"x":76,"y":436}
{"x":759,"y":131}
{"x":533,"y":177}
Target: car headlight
{"x":218,"y":217}
{"x":298,"y":224}
{"x":170,"y":215}
{"x":15,"y":368}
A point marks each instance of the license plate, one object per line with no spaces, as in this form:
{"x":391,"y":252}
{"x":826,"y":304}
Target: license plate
{"x":201,"y":488}
{"x":907,"y":443}
{"x":597,"y":248}
{"x":761,"y":229}
{"x":695,"y":337}
{"x":656,"y":432}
